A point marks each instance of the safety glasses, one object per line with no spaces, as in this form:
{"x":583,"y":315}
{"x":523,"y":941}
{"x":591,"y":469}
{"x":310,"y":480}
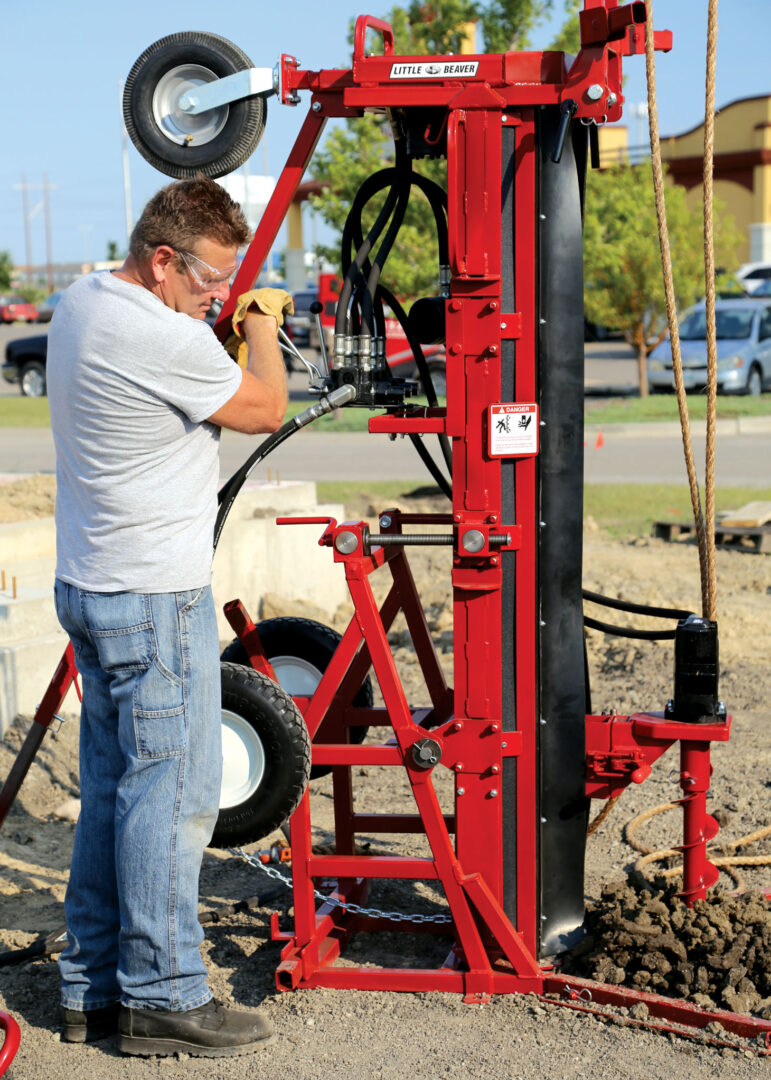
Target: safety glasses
{"x":209,"y":277}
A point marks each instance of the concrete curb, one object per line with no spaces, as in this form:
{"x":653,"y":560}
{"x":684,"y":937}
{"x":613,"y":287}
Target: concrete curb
{"x":743,"y":425}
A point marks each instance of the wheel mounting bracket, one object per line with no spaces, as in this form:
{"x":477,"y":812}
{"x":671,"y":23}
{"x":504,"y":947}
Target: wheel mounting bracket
{"x":241,"y":84}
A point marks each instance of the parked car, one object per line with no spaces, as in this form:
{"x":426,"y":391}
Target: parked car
{"x":46,"y":309}
{"x":299,"y":324}
{"x":751,"y":274}
{"x":743,"y":350}
{"x":25,"y":364}
{"x":763,"y":291}
{"x":16,"y":309}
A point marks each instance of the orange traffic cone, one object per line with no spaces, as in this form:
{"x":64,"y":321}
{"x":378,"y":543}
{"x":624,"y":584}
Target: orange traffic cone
{"x":599,"y":441}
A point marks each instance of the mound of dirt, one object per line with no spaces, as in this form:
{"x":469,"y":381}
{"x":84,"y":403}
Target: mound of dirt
{"x":30,"y":497}
{"x":715,"y":954}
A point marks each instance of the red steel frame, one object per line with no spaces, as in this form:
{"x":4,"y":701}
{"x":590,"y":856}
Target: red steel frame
{"x":490,"y":954}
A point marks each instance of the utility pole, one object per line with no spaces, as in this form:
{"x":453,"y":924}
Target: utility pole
{"x":27,"y":236}
{"x":49,"y":257}
{"x":45,"y":205}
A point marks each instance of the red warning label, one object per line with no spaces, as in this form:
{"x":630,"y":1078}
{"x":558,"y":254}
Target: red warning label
{"x":513,"y":430}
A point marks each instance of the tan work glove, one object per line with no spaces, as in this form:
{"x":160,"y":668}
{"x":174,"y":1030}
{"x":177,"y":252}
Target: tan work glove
{"x":274,"y":302}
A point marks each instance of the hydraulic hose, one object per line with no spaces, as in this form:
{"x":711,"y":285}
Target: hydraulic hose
{"x":636,"y":609}
{"x":384,"y":250}
{"x":355,"y":268}
{"x":229,"y":490}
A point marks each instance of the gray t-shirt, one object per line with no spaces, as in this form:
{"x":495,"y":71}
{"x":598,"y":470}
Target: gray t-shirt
{"x":130,"y":383}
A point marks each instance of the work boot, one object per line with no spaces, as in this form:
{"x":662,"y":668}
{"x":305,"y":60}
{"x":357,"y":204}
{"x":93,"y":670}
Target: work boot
{"x":91,"y":1025}
{"x":211,"y":1030}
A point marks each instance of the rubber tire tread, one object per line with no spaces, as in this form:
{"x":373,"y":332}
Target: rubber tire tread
{"x":41,"y":368}
{"x":322,"y":638}
{"x":279,"y":723}
{"x":246,"y":118}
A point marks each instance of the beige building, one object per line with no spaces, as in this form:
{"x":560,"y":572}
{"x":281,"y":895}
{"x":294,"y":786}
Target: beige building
{"x":742,"y":170}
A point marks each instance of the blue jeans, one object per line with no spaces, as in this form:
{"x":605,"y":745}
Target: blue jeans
{"x":150,"y":773}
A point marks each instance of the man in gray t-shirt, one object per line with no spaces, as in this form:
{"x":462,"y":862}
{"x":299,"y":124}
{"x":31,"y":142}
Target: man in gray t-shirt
{"x":139,"y":389}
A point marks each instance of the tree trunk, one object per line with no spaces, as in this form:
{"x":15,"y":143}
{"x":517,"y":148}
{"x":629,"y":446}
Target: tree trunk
{"x":642,"y":365}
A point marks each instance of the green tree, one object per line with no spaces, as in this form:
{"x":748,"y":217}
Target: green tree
{"x":6,"y":269}
{"x":112,"y":251}
{"x":622,"y":265}
{"x":364,"y":145}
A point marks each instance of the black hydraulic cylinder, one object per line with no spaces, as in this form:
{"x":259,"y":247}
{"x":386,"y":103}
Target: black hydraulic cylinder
{"x":696,"y":673}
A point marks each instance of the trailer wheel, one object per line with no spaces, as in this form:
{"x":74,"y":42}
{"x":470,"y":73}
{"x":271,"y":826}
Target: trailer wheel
{"x":266,"y":757}
{"x":215,"y":142}
{"x":300,"y":651}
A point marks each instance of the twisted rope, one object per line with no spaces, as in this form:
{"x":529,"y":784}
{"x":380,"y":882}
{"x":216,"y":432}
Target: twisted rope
{"x":669,"y":292}
{"x":709,"y":280}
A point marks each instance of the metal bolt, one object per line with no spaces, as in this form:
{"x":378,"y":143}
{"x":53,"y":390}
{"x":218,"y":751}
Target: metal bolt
{"x":543,"y":820}
{"x":595,"y":92}
{"x":458,"y":725}
{"x":503,"y":326}
{"x":385,"y":521}
{"x":493,"y":794}
{"x":316,"y":106}
{"x":504,"y":745}
{"x":346,"y":543}
{"x":495,"y":769}
{"x":543,"y":720}
{"x":542,"y":322}
{"x":494,"y":728}
{"x":504,"y":118}
{"x":187,"y":103}
{"x":455,"y":305}
{"x":542,"y":524}
{"x":612,"y":99}
{"x":473,"y":541}
{"x":461,"y":791}
{"x":541,"y":622}
{"x":494,"y":560}
{"x":458,"y":766}
{"x":455,"y":348}
{"x":493,"y":305}
{"x":542,"y":217}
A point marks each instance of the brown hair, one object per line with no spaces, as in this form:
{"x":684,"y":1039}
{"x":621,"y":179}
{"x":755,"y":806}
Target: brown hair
{"x":187,"y":211}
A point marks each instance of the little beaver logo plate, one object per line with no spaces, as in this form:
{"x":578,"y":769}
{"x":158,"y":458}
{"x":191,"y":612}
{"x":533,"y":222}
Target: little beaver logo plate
{"x":440,"y":69}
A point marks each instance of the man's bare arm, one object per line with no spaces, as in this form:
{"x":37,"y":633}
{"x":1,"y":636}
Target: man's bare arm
{"x":260,"y":402}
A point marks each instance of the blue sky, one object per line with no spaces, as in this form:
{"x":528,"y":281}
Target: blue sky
{"x":62,"y":64}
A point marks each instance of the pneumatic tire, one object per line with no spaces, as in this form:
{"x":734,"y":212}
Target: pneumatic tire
{"x":266,"y":757}
{"x":300,"y":651}
{"x":215,"y":142}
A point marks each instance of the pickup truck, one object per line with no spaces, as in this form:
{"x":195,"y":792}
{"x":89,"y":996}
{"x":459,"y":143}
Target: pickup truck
{"x":25,"y":364}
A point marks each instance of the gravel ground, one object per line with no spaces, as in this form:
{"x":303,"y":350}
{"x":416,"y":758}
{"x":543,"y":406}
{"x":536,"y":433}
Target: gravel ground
{"x":435,"y":1035}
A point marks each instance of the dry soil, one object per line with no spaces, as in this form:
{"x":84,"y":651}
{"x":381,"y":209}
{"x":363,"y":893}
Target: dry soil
{"x":638,"y":934}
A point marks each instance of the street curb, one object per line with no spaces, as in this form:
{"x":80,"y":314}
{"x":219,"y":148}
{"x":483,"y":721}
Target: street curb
{"x":743,"y":425}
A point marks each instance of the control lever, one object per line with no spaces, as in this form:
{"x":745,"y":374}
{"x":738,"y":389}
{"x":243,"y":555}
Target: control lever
{"x":316,"y":309}
{"x":288,"y":346}
{"x":567,"y":112}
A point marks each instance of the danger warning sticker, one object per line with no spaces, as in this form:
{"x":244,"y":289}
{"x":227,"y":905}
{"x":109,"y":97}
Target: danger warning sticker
{"x":513,"y":430}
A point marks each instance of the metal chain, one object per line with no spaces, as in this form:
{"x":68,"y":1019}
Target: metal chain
{"x":346,"y":905}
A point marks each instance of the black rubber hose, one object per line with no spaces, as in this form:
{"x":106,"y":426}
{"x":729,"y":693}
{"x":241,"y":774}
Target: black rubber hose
{"x":628,"y":631}
{"x":353,"y":271}
{"x":397,"y":218}
{"x":425,"y":374}
{"x":636,"y":609}
{"x":442,"y":482}
{"x":227,"y":493}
